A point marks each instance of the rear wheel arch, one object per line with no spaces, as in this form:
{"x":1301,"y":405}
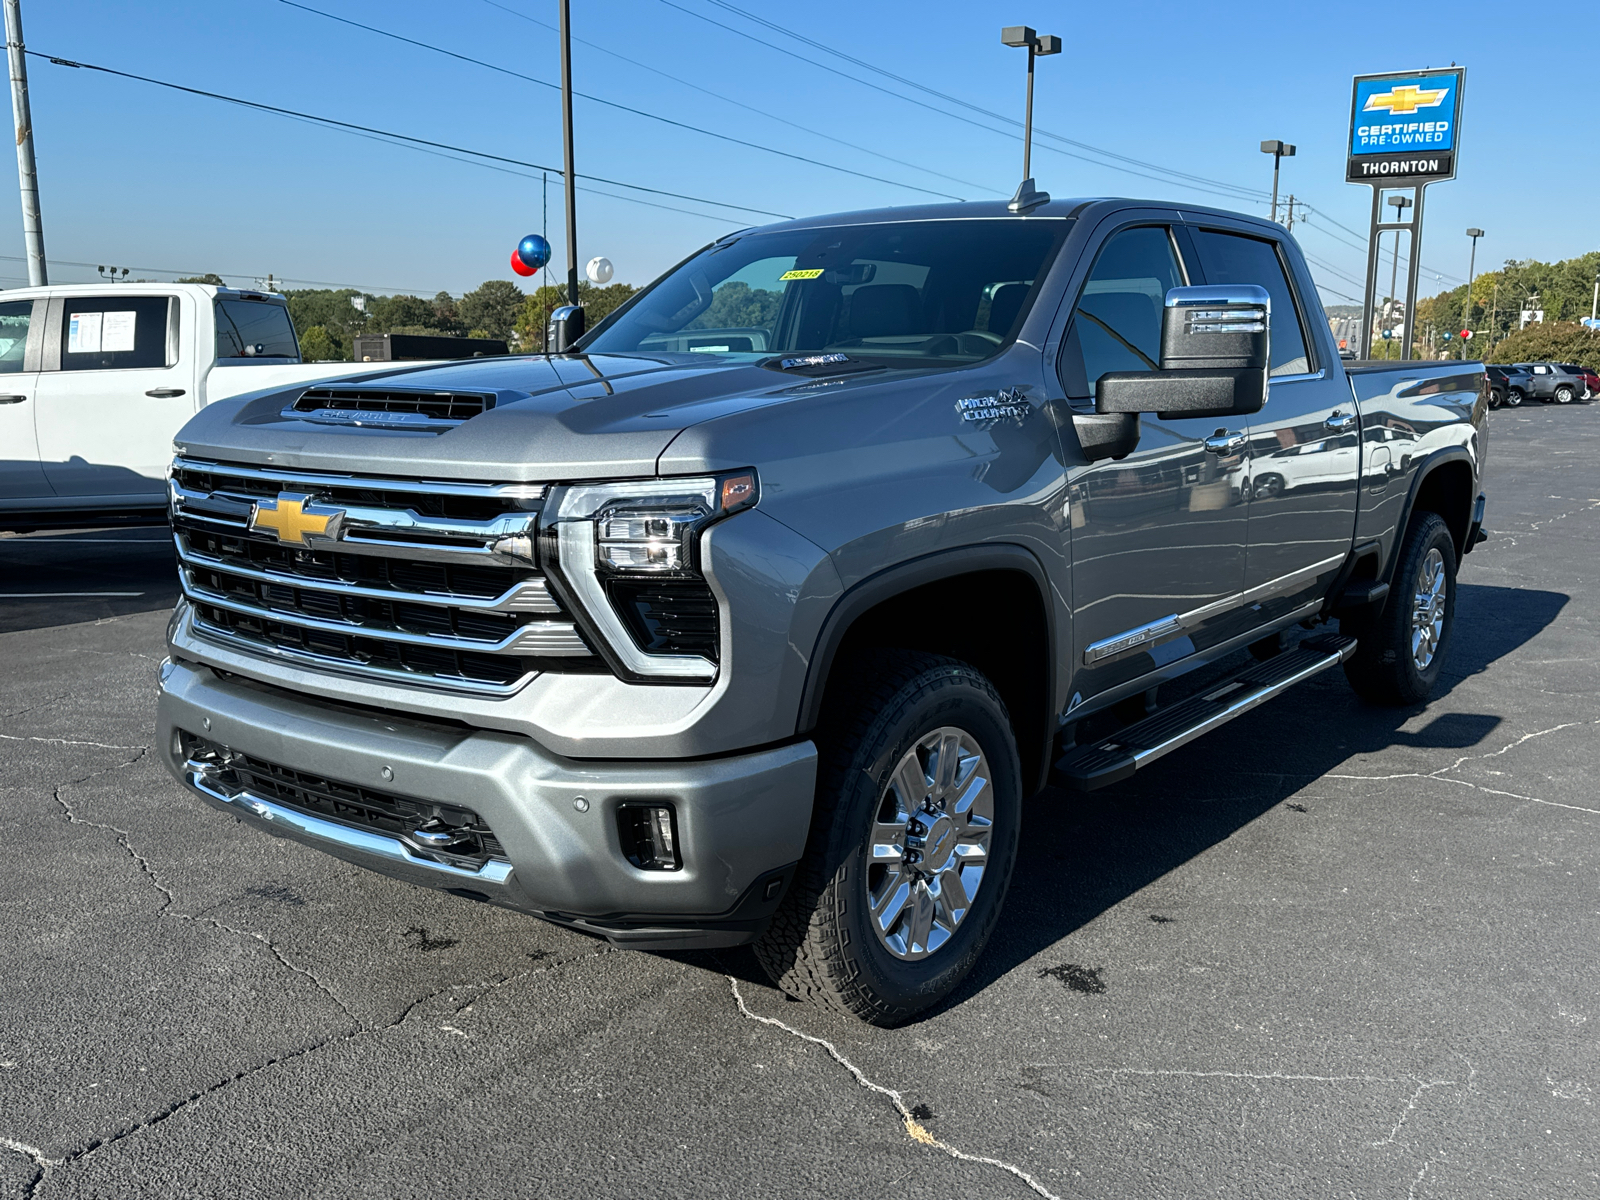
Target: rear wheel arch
{"x":983,"y":605}
{"x":1443,"y":485}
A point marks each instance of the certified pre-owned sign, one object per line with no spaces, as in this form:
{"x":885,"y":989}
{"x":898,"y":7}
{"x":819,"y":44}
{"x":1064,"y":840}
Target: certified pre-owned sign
{"x":1405,"y":126}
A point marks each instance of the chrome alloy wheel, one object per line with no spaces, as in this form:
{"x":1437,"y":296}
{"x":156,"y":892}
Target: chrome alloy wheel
{"x":929,"y":843}
{"x":1427,"y":610}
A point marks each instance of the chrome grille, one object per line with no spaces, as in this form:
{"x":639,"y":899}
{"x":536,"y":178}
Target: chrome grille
{"x":426,"y":583}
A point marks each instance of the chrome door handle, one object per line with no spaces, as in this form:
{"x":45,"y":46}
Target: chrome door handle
{"x":1339,"y":420}
{"x":1225,"y":443}
{"x":164,"y":393}
{"x":12,"y":399}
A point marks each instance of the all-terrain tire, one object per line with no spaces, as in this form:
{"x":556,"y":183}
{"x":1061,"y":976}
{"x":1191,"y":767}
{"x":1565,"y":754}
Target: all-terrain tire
{"x":1384,"y":669}
{"x":821,"y":946}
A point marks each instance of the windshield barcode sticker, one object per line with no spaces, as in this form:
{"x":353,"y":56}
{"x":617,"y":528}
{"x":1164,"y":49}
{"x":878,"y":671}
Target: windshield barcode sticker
{"x":788,"y":275}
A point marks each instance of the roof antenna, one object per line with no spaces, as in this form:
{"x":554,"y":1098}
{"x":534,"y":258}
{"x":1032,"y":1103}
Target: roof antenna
{"x":1028,"y":196}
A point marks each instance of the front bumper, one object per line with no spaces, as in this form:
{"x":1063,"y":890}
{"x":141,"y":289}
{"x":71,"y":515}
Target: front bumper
{"x":742,"y":820}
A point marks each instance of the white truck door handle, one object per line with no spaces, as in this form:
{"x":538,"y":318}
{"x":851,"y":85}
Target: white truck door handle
{"x":13,"y":399}
{"x":1339,"y":420}
{"x":164,"y":393}
{"x":1223,"y":442}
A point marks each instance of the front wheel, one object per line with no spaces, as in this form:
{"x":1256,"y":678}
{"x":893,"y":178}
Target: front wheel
{"x":1565,"y":394}
{"x":1494,"y":397}
{"x":913,"y":839}
{"x":1401,"y":649}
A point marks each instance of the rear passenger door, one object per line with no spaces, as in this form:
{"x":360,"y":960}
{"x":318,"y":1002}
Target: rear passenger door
{"x":1304,"y":466}
{"x":1158,"y":537}
{"x":113,"y":394}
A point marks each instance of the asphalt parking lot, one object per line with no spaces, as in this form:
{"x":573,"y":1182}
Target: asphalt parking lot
{"x":1328,"y":951}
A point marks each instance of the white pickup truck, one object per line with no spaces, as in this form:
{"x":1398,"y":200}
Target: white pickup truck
{"x":95,"y":379}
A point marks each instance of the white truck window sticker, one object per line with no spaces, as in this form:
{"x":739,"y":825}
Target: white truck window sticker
{"x":83,"y":333}
{"x":116,"y":335}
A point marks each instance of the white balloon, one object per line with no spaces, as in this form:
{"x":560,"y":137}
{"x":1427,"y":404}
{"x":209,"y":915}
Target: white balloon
{"x":599,"y":270}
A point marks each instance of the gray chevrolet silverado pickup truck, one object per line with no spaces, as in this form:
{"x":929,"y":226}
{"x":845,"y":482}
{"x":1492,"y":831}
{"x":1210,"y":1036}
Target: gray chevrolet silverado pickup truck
{"x":756,"y":614}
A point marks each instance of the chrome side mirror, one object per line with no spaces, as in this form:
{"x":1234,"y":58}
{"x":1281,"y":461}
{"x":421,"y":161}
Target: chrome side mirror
{"x":566,"y":327}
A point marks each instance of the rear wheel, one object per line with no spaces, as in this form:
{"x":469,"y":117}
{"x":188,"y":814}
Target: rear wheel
{"x":1565,"y":394}
{"x":1514,"y":397}
{"x":913,"y":839}
{"x":1401,"y":648}
{"x":1494,"y":397}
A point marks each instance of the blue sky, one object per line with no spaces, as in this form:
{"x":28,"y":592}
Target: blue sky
{"x":139,"y":176}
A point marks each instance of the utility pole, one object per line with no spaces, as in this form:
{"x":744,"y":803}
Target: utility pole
{"x":1291,"y":210}
{"x":1279,"y":152}
{"x":1594,"y":305}
{"x":566,"y":140}
{"x":27,"y":173}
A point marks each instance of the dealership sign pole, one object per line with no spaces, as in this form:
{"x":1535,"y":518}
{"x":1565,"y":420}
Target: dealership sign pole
{"x":1405,"y":133}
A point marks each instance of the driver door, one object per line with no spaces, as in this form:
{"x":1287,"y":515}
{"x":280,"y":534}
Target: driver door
{"x":1158,"y":537}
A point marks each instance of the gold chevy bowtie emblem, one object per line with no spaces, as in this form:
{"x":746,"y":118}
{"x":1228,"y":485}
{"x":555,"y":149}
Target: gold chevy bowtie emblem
{"x":293,"y":519}
{"x":1404,"y":99}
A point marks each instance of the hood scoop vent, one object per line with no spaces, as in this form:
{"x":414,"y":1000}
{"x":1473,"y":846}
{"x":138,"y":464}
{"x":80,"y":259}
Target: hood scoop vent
{"x":389,"y":408}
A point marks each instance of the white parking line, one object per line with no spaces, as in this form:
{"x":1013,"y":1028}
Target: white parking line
{"x":59,"y":595}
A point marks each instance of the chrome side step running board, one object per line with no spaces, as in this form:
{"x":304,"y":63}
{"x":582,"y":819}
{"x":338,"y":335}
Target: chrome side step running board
{"x":1115,"y":758}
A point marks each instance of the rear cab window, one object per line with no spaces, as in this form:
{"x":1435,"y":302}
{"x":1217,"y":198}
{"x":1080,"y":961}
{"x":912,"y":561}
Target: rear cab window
{"x":250,"y":329}
{"x":112,"y":333}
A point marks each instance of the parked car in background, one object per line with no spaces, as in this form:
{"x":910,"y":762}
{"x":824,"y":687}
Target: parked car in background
{"x":1591,"y":377}
{"x":95,"y":379}
{"x":1508,"y":385}
{"x":1560,"y":383}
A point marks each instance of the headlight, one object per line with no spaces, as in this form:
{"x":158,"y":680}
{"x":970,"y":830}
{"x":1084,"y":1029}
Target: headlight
{"x":631,"y":553}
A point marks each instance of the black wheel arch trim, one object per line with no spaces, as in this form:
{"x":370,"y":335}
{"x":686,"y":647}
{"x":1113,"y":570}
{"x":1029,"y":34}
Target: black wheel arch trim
{"x":904,"y":577}
{"x":1426,"y":467}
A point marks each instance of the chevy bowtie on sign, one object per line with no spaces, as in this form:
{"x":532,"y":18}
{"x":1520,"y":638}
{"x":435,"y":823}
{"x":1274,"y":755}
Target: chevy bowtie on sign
{"x":1405,"y":127}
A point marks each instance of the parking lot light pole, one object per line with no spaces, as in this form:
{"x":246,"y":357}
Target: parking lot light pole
{"x":1279,"y":152}
{"x":1472,"y":268}
{"x":1020,"y":36}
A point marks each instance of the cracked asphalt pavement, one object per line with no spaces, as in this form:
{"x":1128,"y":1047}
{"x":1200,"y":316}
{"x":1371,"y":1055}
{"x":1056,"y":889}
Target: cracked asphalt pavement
{"x":1329,"y":950}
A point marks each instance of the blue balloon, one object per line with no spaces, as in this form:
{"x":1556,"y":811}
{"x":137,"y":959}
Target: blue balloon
{"x":534,"y":251}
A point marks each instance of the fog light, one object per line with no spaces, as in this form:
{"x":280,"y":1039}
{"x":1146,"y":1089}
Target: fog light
{"x":649,"y":835}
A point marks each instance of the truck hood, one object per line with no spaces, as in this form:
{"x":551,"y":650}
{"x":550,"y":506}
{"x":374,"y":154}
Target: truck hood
{"x":596,"y":417}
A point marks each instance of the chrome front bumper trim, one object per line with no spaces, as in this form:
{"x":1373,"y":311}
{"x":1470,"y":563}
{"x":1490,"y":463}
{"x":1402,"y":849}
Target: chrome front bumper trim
{"x":201,"y":777}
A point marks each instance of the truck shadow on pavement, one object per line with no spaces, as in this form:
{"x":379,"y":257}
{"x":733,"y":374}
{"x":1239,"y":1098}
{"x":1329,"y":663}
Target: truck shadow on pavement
{"x":1083,"y":854}
{"x":67,"y":576}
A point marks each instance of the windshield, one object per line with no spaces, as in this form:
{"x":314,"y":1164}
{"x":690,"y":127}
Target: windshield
{"x":924,"y":293}
{"x":254,"y":329}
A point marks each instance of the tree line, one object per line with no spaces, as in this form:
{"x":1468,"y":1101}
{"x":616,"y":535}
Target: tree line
{"x":329,"y":319}
{"x":1563,"y":291}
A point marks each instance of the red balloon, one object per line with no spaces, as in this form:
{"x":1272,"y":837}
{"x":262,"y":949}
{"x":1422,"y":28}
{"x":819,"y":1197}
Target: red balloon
{"x":520,"y":267}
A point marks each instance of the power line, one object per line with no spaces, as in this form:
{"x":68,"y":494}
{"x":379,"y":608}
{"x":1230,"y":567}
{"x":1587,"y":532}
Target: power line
{"x":956,"y":100}
{"x":398,"y":137}
{"x":360,"y":287}
{"x":639,"y":112}
{"x":741,"y":104}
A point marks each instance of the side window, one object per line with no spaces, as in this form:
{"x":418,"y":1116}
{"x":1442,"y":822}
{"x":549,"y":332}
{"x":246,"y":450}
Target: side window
{"x":1117,"y":323}
{"x":109,"y":333}
{"x":254,"y":329}
{"x":1230,"y":258}
{"x":14,"y":335}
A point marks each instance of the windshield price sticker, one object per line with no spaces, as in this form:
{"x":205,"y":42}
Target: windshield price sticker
{"x":1405,"y":126}
{"x":812,"y":274}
